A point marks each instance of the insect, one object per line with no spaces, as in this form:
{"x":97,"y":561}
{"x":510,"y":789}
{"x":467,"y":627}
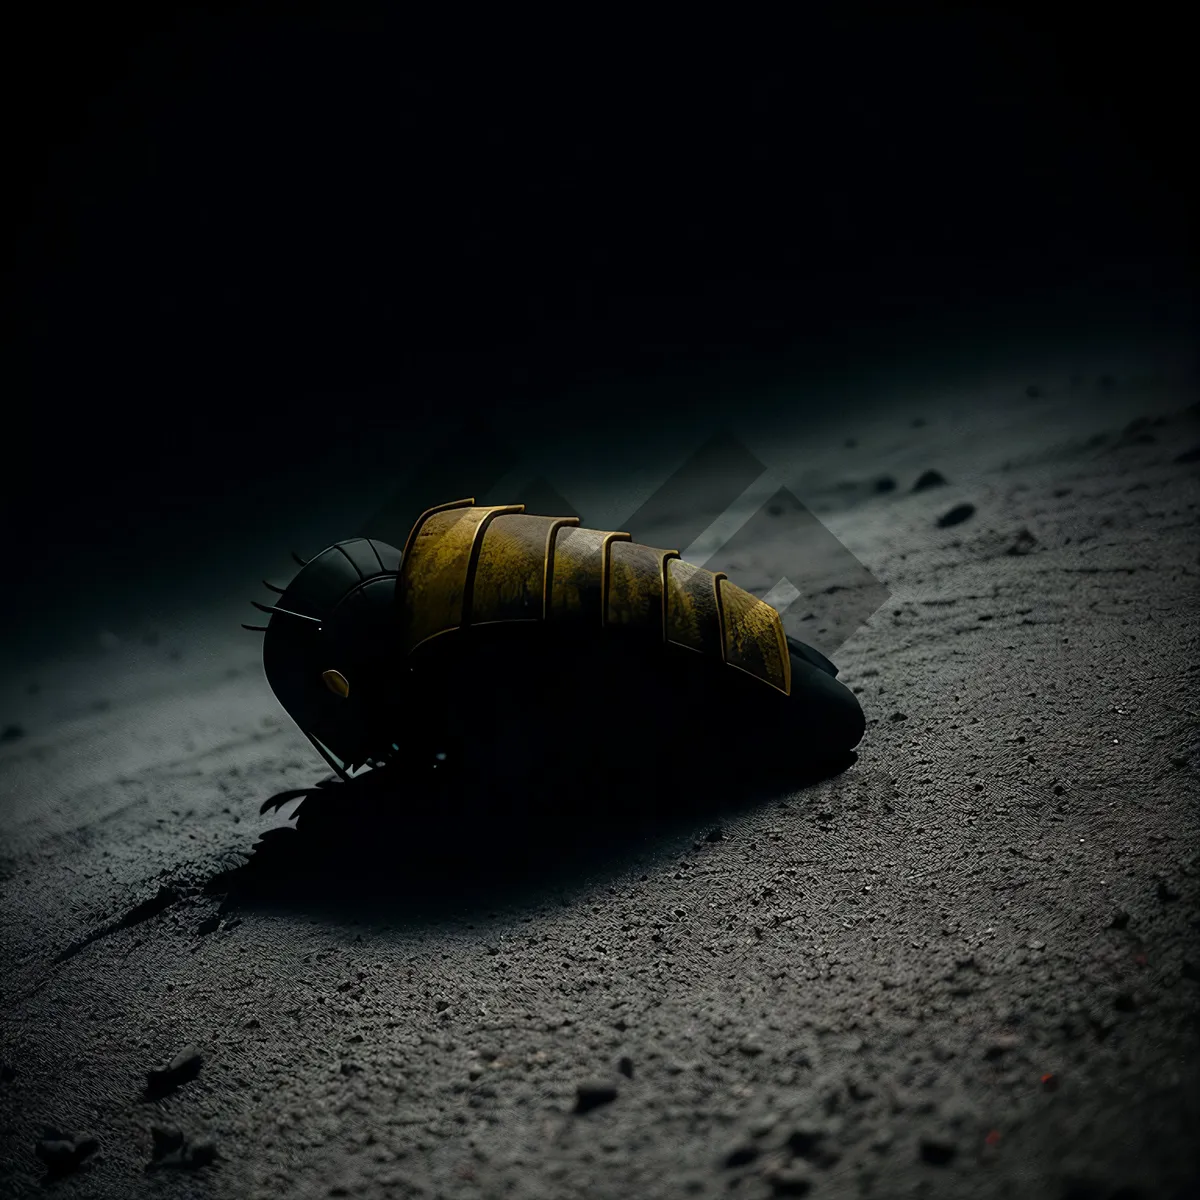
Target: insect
{"x":371,"y":649}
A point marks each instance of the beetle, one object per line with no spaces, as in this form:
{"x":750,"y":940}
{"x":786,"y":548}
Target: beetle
{"x":373,"y":650}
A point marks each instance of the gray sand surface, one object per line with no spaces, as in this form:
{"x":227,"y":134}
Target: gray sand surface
{"x":966,"y":966}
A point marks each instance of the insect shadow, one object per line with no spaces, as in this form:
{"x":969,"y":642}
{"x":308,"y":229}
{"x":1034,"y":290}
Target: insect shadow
{"x":530,"y":787}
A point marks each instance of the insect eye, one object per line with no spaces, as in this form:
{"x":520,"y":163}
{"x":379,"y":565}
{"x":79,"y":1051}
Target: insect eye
{"x":337,"y":683}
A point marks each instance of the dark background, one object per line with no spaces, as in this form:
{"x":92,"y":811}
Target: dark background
{"x":238,"y":239}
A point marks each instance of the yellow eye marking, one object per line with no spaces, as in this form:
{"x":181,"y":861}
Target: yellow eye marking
{"x":337,"y":683}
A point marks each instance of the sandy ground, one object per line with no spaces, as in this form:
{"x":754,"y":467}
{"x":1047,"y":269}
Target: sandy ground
{"x":964,"y":966}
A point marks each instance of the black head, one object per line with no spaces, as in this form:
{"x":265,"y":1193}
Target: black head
{"x":328,"y":651}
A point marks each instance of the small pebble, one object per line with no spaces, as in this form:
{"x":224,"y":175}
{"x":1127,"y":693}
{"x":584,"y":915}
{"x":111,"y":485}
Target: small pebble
{"x":201,"y":1153}
{"x":956,"y":516}
{"x":167,"y":1139}
{"x":882,"y":1140}
{"x":791,"y":1181}
{"x":938,"y":1151}
{"x":741,"y":1154}
{"x":64,"y":1152}
{"x":184,"y":1066}
{"x":885,"y":484}
{"x":592,"y":1095}
{"x":10,"y":733}
{"x":172,"y":1148}
{"x":1023,"y":543}
{"x":805,"y":1140}
{"x":1165,"y":892}
{"x":929,"y":479}
{"x":1001,"y":1045}
{"x":625,"y":1066}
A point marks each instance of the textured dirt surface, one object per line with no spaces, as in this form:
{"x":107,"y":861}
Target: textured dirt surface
{"x":965,"y":966}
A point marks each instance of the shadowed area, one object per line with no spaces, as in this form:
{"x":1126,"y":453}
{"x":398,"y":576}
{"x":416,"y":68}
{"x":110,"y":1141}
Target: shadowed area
{"x":388,"y":847}
{"x":527,"y":758}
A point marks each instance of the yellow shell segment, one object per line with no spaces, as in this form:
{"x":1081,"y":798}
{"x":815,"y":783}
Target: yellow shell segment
{"x":754,"y":637}
{"x":693,"y":617}
{"x":437,"y":569}
{"x":466,"y":564}
{"x":515,"y":562}
{"x":636,"y":578}
{"x":579,"y":577}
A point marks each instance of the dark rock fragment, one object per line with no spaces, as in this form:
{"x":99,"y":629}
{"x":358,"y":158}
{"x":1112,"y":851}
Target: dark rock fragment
{"x":813,"y":1144}
{"x":740,"y":1155}
{"x":183,"y":1067}
{"x":1000,"y":1046}
{"x":956,"y":516}
{"x":791,"y":1181}
{"x":64,"y":1152}
{"x":938,"y":1151}
{"x":929,"y":479}
{"x":1023,"y":543}
{"x":173,"y":1148}
{"x":1165,"y":891}
{"x":167,"y":1139}
{"x":593,"y":1094}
